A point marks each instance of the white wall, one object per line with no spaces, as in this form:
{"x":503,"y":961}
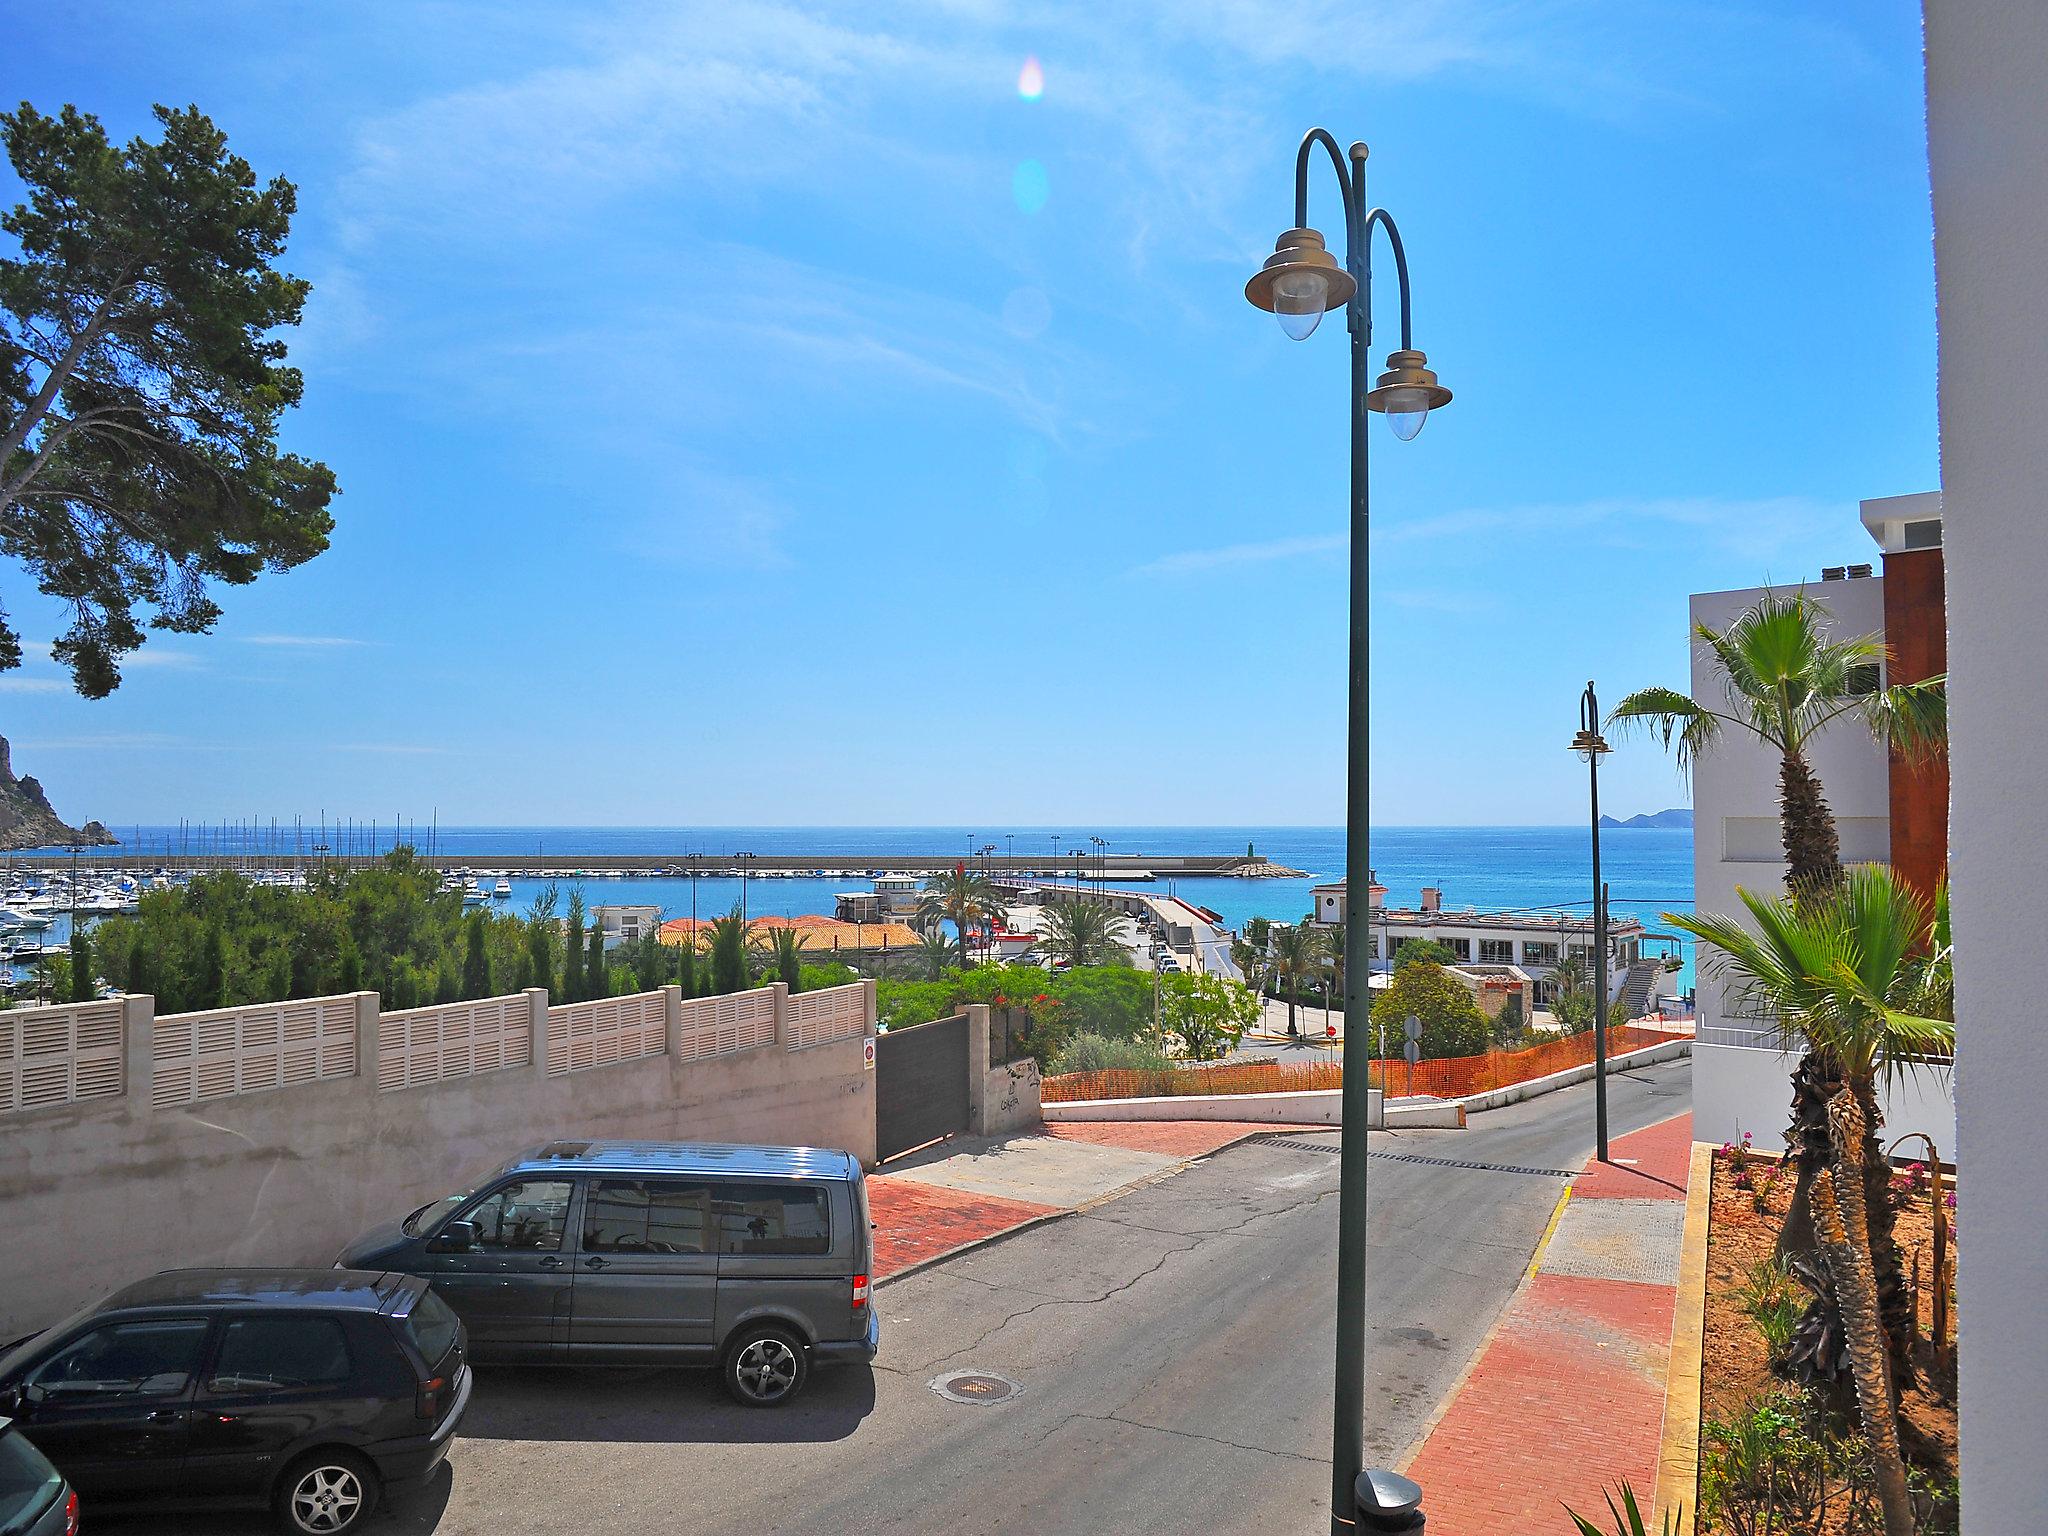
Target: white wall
{"x":1739,"y":1088}
{"x":1736,"y":839}
{"x":1987,"y":119}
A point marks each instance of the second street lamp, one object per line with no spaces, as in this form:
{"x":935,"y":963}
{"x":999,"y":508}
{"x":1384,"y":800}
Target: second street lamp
{"x":1299,"y":283}
{"x":1592,"y":746}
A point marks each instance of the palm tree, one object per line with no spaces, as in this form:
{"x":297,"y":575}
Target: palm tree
{"x":1786,"y":681}
{"x":1842,"y":973}
{"x":1249,"y":961}
{"x":934,"y":952}
{"x":963,"y":898}
{"x":1083,"y":933}
{"x":1296,"y":953}
{"x":784,"y":952}
{"x":729,"y":940}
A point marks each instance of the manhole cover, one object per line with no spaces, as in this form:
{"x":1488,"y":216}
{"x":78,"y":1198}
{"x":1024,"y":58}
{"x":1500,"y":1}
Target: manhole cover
{"x":975,"y":1387}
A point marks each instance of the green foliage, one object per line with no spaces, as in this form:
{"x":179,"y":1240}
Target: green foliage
{"x":1784,"y":1464}
{"x":964,"y":898}
{"x":476,"y":959}
{"x":596,"y":968}
{"x":834,"y":973}
{"x":1092,"y":1053}
{"x":1422,"y":952}
{"x":1209,"y":1014}
{"x":1257,"y":931}
{"x":728,"y":953}
{"x":1773,"y":1301}
{"x":1114,"y":1001}
{"x":934,"y":953}
{"x":1509,"y":1025}
{"x":142,"y":379}
{"x":1083,"y":932}
{"x":1452,"y":1023}
{"x":1629,"y":1519}
{"x":572,"y":950}
{"x":81,"y":989}
{"x":786,"y":952}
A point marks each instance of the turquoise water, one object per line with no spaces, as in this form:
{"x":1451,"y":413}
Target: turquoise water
{"x":1648,"y":870}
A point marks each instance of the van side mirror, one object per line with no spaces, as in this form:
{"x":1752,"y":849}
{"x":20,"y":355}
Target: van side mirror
{"x":456,"y":1237}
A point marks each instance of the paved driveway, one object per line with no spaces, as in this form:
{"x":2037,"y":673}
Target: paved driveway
{"x":1173,"y":1347}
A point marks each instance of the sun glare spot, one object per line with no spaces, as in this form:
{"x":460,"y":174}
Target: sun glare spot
{"x":1031,"y":80}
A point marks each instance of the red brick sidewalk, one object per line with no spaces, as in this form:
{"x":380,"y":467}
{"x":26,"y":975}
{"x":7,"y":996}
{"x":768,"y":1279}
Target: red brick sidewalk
{"x":915,"y":1222}
{"x":1566,"y":1397}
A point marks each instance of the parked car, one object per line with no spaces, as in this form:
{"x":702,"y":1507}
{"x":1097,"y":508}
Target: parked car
{"x":755,"y":1260}
{"x":34,"y":1498}
{"x":307,"y":1390}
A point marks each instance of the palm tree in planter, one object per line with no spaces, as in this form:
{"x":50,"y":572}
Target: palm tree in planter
{"x":1296,"y":953}
{"x":1083,"y":933}
{"x":963,"y":898}
{"x":1785,"y":680}
{"x":1841,"y":973}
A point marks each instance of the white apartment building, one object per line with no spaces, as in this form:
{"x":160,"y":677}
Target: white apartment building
{"x":1740,"y":1079}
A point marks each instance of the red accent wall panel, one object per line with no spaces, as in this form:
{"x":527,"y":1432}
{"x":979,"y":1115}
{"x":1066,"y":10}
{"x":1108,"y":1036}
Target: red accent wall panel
{"x":1916,"y":630}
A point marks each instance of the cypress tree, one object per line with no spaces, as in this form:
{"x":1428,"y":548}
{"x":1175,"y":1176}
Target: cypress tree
{"x":476,"y":961}
{"x":540,"y":955}
{"x":138,"y":964}
{"x":596,"y":981}
{"x":572,"y":951}
{"x":81,"y":965}
{"x":210,"y":985}
{"x":686,"y":966}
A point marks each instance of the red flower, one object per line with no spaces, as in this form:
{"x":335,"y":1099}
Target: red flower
{"x":1002,"y":1001}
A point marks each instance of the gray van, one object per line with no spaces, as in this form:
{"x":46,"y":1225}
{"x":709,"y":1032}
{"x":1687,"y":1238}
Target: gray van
{"x":754,"y":1259}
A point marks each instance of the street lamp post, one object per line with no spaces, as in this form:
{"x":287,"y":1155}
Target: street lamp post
{"x":1298,"y":284}
{"x":1592,"y":746}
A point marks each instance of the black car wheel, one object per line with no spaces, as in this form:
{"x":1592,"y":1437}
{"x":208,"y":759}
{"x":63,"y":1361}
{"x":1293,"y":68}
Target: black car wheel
{"x":326,"y":1493}
{"x":765,"y":1367}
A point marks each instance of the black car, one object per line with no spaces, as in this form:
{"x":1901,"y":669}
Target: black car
{"x":34,"y":1498}
{"x":307,"y":1390}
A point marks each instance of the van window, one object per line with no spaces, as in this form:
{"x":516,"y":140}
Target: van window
{"x":645,"y":1216}
{"x":772,"y":1219}
{"x":529,"y":1216}
{"x":279,"y":1354}
{"x":142,"y":1359}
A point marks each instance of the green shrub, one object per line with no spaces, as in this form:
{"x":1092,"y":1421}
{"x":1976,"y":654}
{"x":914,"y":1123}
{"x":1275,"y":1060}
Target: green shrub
{"x":1094,"y":1053}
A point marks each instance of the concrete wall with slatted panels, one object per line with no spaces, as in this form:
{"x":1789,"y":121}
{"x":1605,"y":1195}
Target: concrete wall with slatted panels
{"x":276,"y":1133}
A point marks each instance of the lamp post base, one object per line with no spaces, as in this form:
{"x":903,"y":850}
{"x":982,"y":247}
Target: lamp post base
{"x":1387,"y":1502}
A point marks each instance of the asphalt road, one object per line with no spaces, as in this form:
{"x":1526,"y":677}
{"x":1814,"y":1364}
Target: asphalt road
{"x":1173,"y":1347}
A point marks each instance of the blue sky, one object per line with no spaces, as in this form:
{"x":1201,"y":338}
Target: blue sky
{"x":764,"y":414}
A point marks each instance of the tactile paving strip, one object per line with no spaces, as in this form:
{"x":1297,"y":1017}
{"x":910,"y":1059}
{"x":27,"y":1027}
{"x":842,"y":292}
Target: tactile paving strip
{"x":1618,"y":1240}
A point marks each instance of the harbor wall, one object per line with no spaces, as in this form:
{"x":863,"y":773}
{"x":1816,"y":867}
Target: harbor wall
{"x":142,"y":1146}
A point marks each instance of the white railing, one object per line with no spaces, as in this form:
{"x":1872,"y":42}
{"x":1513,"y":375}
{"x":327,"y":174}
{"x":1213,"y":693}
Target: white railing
{"x":451,"y":1040}
{"x":721,"y":1026}
{"x":53,"y":1056}
{"x":833,"y":1013}
{"x":227,"y":1051}
{"x":606,"y":1030}
{"x":1762,"y":1037}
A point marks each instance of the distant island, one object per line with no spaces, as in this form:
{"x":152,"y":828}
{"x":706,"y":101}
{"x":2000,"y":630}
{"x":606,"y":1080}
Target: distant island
{"x":26,"y":820}
{"x":1678,"y":816}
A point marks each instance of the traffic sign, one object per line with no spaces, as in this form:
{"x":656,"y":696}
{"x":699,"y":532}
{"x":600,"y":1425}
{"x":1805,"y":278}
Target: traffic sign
{"x":1413,"y":1027}
{"x":1413,"y":1051}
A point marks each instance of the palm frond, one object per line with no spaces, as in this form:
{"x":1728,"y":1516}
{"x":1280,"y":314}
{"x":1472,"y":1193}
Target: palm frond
{"x":1911,"y":718}
{"x":1668,"y":715}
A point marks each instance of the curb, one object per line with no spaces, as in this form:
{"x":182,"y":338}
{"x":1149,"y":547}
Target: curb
{"x":988,"y":1238}
{"x":1678,"y":1450}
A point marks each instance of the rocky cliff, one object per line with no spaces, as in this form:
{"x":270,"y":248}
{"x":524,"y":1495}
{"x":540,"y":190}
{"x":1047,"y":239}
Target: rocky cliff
{"x":26,"y":820}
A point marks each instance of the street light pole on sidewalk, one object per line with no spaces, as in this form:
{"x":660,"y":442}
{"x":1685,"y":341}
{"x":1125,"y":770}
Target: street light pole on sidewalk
{"x":1298,"y":284}
{"x":1592,"y":746}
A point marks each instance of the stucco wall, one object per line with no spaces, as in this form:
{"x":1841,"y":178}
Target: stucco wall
{"x":95,"y":1195}
{"x":1736,"y":1088}
{"x":1987,"y":118}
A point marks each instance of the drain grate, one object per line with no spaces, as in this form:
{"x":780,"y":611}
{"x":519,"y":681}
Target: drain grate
{"x":975,"y":1387}
{"x":1434,"y":1162}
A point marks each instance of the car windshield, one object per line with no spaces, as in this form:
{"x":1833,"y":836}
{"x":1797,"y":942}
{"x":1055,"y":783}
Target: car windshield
{"x":28,"y":1483}
{"x":432,"y":1212}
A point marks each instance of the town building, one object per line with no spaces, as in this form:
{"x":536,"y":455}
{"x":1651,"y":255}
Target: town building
{"x":820,"y":938}
{"x":893,"y":898}
{"x":625,"y":924}
{"x":1531,"y":944}
{"x":1887,"y":809}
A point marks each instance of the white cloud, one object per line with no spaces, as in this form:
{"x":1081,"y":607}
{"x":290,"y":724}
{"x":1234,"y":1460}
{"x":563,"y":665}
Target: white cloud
{"x":33,"y":685}
{"x":306,"y":642}
{"x":1191,"y":561}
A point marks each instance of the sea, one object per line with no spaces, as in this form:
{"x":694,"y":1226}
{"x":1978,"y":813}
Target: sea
{"x":1648,"y":869}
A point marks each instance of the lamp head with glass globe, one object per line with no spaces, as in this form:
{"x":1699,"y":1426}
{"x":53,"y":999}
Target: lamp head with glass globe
{"x":1300,"y":282}
{"x":1406,"y":393}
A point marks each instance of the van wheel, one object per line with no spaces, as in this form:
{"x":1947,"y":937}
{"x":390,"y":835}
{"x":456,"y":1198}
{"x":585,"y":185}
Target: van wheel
{"x":765,"y":1367}
{"x":326,"y":1493}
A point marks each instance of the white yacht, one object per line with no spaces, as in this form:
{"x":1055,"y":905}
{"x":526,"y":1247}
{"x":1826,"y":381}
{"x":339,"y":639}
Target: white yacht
{"x":503,"y":889}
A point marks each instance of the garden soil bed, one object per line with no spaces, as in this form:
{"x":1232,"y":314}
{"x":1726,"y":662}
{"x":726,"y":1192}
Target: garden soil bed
{"x":1737,"y":1367}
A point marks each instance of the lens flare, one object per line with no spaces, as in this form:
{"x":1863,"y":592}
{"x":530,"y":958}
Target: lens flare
{"x":1028,"y":185}
{"x":1031,"y":80}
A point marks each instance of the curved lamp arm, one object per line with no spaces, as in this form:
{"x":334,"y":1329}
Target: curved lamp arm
{"x":1385,"y":220}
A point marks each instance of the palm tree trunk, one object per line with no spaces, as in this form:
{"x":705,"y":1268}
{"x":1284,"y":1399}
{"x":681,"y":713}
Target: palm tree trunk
{"x":1839,"y":1211}
{"x":1894,"y":1296}
{"x":1813,"y":853}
